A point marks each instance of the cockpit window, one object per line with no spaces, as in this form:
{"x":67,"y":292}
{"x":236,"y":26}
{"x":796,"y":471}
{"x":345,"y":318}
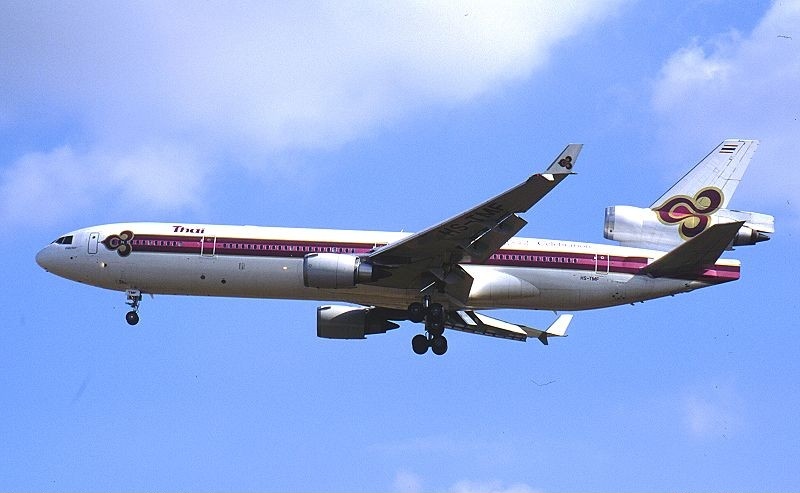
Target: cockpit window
{"x":64,"y":240}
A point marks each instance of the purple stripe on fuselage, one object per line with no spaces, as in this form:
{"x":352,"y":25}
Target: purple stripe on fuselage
{"x":194,"y":245}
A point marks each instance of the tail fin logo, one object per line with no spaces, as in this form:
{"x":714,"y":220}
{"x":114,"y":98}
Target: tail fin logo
{"x":691,"y":213}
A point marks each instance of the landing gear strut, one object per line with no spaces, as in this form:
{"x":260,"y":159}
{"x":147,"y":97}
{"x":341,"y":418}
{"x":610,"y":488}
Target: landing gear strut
{"x":434,"y":316}
{"x":134,"y":297}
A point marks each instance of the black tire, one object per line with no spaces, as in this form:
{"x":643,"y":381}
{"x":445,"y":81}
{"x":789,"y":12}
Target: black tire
{"x":436,"y":314}
{"x":439,"y":345}
{"x":434,"y":329}
{"x":132,"y":318}
{"x":419,"y":343}
{"x":416,"y":312}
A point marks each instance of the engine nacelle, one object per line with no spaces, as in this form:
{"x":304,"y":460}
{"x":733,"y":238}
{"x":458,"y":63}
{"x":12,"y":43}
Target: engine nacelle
{"x":641,"y":227}
{"x":626,"y":224}
{"x":749,"y":236}
{"x":335,"y":270}
{"x":350,"y":322}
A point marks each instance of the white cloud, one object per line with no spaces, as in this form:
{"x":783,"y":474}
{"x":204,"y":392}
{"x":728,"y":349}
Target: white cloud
{"x":248,"y":79}
{"x":309,"y":74}
{"x":713,"y":411}
{"x":42,"y":188}
{"x":407,"y":482}
{"x":685,"y":70}
{"x":490,"y":487}
{"x":744,"y":86}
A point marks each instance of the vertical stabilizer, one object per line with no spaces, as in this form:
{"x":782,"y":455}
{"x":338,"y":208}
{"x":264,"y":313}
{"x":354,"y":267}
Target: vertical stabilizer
{"x":714,"y":179}
{"x":696,"y":202}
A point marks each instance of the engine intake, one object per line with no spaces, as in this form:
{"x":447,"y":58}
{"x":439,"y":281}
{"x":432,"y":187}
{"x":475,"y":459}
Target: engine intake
{"x":335,"y":270}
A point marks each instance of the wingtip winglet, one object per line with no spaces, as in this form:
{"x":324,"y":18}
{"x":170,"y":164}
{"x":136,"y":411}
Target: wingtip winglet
{"x":560,"y":326}
{"x":557,"y":328}
{"x":565,"y":161}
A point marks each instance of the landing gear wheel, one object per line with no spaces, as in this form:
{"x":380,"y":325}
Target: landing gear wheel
{"x":134,"y":298}
{"x":439,"y":345}
{"x":436,"y":313}
{"x":419,"y":343}
{"x":416,"y":312}
{"x":435,"y":316}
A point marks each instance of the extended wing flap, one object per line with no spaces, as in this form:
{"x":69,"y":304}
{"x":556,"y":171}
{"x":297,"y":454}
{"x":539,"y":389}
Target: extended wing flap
{"x":690,"y":257}
{"x":478,"y":323}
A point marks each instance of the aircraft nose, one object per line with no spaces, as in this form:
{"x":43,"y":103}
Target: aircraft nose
{"x":45,"y":258}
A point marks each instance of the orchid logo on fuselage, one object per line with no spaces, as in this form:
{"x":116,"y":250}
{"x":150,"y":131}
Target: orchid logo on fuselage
{"x":121,"y":243}
{"x":692,"y":214}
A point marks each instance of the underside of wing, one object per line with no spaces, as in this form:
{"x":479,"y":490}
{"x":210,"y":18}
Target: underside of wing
{"x":477,"y":323}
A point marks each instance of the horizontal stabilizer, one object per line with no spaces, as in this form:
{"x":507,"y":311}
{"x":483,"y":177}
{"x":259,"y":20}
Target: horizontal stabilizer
{"x":690,"y":257}
{"x":559,"y":327}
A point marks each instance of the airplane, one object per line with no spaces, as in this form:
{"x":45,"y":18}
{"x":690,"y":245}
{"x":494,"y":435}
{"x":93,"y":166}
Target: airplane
{"x":446,"y":274}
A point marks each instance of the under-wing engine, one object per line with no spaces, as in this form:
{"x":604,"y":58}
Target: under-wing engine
{"x":335,"y":270}
{"x":351,"y":322}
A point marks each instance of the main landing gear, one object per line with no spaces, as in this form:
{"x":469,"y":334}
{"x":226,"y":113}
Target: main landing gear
{"x":134,"y":297}
{"x":434,"y":316}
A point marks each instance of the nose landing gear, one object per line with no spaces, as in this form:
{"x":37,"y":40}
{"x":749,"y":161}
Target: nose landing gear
{"x":434,"y":316}
{"x":134,"y":297}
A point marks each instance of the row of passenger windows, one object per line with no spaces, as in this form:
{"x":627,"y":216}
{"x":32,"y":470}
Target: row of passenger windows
{"x":156,"y":243}
{"x":283,"y":248}
{"x":233,"y":246}
{"x":67,"y":240}
{"x":535,"y":258}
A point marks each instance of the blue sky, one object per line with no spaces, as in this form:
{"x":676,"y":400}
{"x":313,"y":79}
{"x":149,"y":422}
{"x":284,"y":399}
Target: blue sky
{"x":390,"y":116}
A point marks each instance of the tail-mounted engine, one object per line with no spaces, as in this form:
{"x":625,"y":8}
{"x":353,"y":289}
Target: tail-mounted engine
{"x":645,"y":228}
{"x":335,"y":270}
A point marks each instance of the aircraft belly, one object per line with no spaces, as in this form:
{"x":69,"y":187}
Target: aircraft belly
{"x":561,"y":289}
{"x":370,"y":296}
{"x":282,"y":278}
{"x":500,"y":287}
{"x":278,"y":278}
{"x":209,"y":276}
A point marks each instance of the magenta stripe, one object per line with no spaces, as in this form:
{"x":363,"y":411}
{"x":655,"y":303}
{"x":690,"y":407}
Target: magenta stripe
{"x":192,"y":245}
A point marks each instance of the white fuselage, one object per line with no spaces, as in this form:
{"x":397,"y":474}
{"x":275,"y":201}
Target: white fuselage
{"x":263,"y":262}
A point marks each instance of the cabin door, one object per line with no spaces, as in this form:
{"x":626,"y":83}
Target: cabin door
{"x":208,"y":246}
{"x":601,"y":264}
{"x":94,"y":238}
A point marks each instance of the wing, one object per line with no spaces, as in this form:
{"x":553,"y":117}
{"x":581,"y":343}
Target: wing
{"x":472,"y":236}
{"x":477,"y":323}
